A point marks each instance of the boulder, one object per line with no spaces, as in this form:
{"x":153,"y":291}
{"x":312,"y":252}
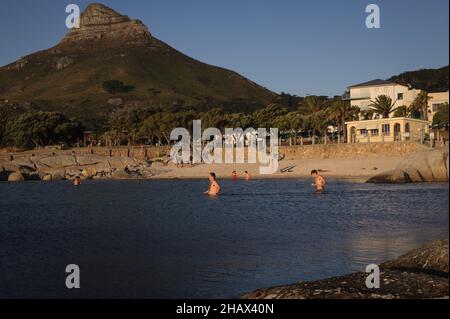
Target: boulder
{"x":57,"y":161}
{"x":52,"y":171}
{"x":425,"y":166}
{"x":421,"y":273}
{"x":47,"y":178}
{"x":15,"y":177}
{"x":432,"y":258}
{"x":52,"y":178}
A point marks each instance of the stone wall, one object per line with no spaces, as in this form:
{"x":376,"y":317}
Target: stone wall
{"x":350,"y":150}
{"x":289,"y":152}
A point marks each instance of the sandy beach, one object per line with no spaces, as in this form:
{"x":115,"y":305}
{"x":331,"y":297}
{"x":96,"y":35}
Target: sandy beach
{"x":358,"y":169}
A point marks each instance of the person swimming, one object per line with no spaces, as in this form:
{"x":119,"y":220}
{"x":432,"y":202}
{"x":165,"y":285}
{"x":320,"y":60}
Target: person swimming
{"x":247,"y":176}
{"x":77,"y":181}
{"x":214,"y":187}
{"x":319,"y":181}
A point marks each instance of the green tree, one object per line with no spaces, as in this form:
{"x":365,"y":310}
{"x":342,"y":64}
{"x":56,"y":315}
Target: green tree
{"x":41,"y":129}
{"x":213,"y":118}
{"x":317,"y":122}
{"x":419,"y":107}
{"x":312,"y":104}
{"x":402,"y":111}
{"x":440,"y":118}
{"x":340,"y":112}
{"x":264,"y":118}
{"x":367,"y":114}
{"x":116,"y":86}
{"x":241,"y":120}
{"x":383,"y":105}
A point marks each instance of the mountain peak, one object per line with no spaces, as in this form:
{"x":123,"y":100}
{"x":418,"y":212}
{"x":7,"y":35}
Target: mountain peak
{"x":99,"y":22}
{"x":99,"y":14}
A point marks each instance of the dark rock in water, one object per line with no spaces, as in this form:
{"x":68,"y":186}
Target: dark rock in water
{"x":427,"y":166}
{"x":421,"y":273}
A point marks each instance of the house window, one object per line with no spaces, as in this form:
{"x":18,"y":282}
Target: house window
{"x":374,"y":132}
{"x":436,"y":107}
{"x":400,"y":96}
{"x":386,"y":129}
{"x":363,"y":132}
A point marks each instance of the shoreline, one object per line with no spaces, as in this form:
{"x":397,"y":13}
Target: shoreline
{"x":422,"y":166}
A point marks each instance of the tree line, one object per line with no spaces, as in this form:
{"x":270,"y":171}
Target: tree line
{"x":311,"y":116}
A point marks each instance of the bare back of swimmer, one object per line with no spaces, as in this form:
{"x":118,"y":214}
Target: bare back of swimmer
{"x":319,"y":181}
{"x":214,"y":187}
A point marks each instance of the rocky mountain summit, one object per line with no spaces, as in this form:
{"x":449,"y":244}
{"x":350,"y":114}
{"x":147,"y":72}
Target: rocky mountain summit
{"x":100,"y":22}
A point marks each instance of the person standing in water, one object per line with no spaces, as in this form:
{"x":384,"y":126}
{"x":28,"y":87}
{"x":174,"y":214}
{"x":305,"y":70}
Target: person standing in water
{"x":214,"y":187}
{"x":247,"y":176}
{"x":234,"y":176}
{"x":319,"y":181}
{"x":77,"y":181}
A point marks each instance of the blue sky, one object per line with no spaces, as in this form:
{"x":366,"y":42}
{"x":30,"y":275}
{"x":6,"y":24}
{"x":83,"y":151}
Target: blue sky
{"x":300,"y":47}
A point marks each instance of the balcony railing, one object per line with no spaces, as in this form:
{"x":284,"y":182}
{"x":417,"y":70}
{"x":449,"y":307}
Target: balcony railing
{"x":352,"y":97}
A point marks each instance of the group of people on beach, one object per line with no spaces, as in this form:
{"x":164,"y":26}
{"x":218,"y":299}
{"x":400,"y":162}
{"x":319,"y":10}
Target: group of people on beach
{"x":214,"y":187}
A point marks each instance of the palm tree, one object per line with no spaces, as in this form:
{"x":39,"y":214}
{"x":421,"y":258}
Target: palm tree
{"x":116,"y":127}
{"x":340,"y":112}
{"x":420,"y":105}
{"x":383,"y":105}
{"x":312,"y":104}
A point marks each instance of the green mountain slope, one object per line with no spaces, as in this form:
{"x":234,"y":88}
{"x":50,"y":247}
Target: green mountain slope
{"x":430,"y":80}
{"x":69,"y":77}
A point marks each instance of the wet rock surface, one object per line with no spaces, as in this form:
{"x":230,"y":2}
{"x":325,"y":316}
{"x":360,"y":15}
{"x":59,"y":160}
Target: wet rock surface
{"x":421,"y":273}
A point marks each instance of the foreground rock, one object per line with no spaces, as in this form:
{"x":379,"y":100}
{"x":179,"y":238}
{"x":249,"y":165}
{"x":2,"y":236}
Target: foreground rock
{"x":426,"y":166}
{"x":422,"y":273}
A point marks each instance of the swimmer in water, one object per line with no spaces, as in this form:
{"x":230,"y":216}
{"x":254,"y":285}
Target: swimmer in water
{"x":214,"y":187}
{"x":319,"y":181}
{"x":77,"y":181}
{"x":234,"y":176}
{"x":247,"y":176}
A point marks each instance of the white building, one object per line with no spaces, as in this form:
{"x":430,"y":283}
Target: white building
{"x":363,"y":94}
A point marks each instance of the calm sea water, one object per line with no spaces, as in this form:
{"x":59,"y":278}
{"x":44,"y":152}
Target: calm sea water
{"x":164,"y":239}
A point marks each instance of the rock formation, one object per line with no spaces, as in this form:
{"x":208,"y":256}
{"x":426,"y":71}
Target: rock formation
{"x":64,"y":166}
{"x":101,"y":22}
{"x":425,"y":166}
{"x":422,"y":273}
{"x":15,"y":177}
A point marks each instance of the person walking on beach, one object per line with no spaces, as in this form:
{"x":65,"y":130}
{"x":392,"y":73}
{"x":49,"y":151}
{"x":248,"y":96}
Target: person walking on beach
{"x":319,"y":181}
{"x":214,"y":187}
